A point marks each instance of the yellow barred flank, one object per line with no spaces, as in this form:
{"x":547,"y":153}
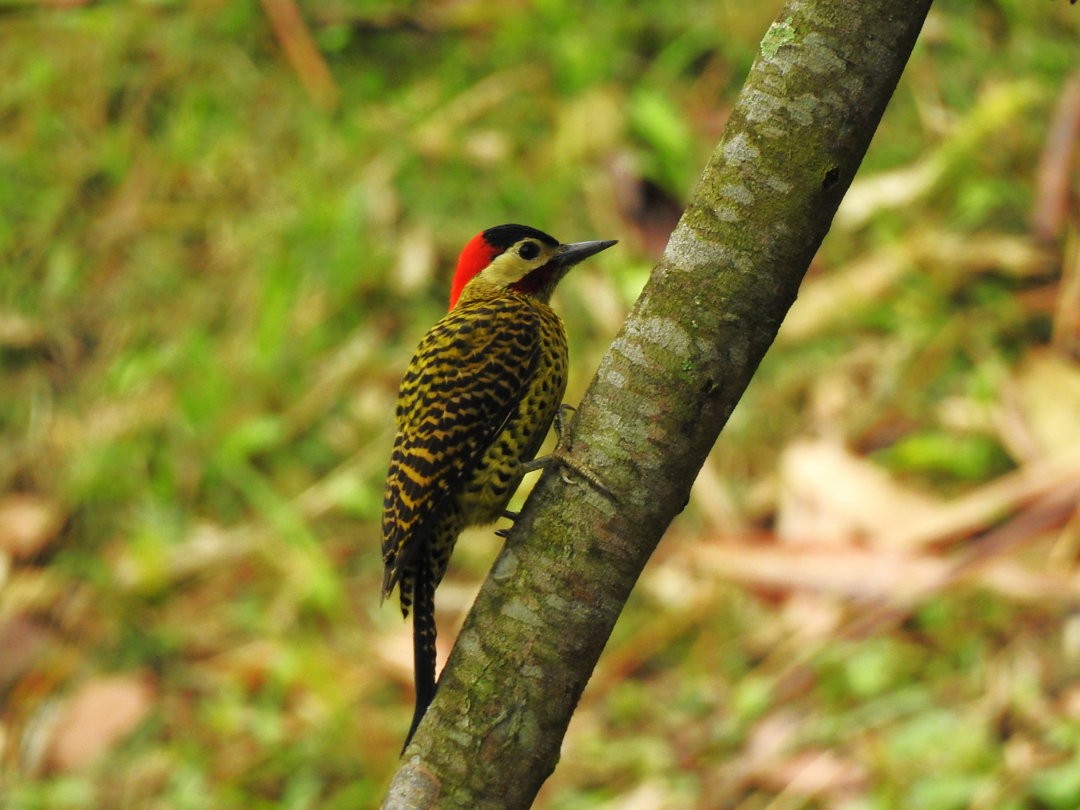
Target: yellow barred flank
{"x":476,"y":402}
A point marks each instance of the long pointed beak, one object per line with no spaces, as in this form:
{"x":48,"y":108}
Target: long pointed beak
{"x":569,"y":255}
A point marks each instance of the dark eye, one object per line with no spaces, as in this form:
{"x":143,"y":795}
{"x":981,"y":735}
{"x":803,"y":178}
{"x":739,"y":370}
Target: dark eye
{"x":530,"y":250}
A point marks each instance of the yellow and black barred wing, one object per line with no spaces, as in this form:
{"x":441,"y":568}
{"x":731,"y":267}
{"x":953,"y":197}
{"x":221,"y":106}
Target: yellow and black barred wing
{"x":466,"y":379}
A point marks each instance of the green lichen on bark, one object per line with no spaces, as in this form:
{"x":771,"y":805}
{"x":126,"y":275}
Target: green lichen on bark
{"x":780,"y":33}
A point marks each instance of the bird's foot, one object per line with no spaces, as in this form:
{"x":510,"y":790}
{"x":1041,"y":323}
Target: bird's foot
{"x":560,"y":456}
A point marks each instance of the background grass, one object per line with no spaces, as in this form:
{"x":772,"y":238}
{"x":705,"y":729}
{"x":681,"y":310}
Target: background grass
{"x":212,"y":279}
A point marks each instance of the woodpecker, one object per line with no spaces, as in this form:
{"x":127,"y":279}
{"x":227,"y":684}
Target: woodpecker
{"x":474,"y":407}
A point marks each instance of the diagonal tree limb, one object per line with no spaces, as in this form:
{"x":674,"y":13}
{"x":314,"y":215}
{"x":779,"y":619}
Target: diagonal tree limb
{"x":800,"y":128}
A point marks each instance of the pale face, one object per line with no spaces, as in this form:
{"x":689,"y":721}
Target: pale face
{"x":520,"y":259}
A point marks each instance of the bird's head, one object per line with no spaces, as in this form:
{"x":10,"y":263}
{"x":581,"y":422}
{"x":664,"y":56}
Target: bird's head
{"x":519,"y":258}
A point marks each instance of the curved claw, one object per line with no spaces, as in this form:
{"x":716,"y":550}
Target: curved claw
{"x":558,"y":456}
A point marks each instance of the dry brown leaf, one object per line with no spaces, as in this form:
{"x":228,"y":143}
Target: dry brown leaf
{"x":771,"y":737}
{"x":23,"y":641}
{"x":711,"y":494}
{"x":28,"y":523}
{"x":17,"y":331}
{"x":769,"y":762}
{"x":984,"y":507}
{"x":97,"y":717}
{"x":1045,"y":393}
{"x":302,"y":53}
{"x":647,"y":796}
{"x":249,"y":665}
{"x":812,"y":773}
{"x":890,"y":576}
{"x":830,"y":496}
{"x":1054,"y":176}
{"x":1066,"y":333}
{"x":851,"y":572}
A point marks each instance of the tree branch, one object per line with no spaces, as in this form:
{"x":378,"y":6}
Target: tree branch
{"x":712,"y":307}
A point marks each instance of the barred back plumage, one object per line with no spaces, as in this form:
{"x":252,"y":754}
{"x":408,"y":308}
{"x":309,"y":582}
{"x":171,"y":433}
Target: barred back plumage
{"x":475,"y":404}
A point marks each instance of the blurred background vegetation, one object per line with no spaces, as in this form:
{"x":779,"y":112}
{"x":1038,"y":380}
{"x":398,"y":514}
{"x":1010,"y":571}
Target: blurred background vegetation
{"x":223,"y":228}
